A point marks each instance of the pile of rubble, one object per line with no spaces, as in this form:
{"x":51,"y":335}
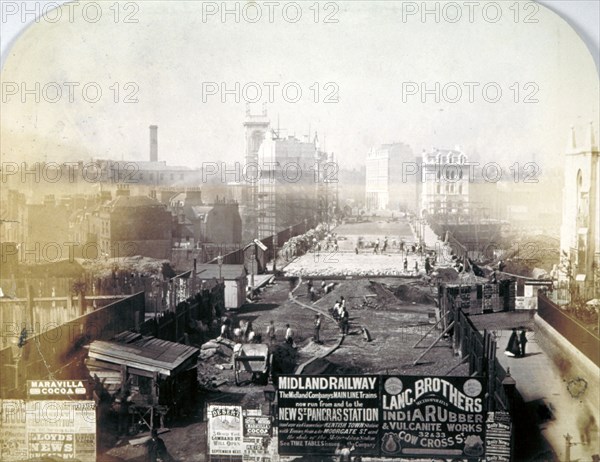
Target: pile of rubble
{"x":215,"y":365}
{"x":412,"y":293}
{"x":219,"y":346}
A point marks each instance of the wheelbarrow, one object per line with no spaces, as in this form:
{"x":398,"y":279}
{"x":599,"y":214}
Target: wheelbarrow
{"x":252,"y":359}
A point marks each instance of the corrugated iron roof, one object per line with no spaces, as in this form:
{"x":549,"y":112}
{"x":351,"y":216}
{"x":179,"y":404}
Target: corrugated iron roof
{"x":145,"y":353}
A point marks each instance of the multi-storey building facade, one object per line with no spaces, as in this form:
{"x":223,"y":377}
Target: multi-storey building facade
{"x":445,"y":182}
{"x":388,"y":182}
{"x":288,"y":190}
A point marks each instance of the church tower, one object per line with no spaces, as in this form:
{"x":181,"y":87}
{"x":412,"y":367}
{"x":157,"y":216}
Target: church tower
{"x":256,"y":127}
{"x":580,"y":233}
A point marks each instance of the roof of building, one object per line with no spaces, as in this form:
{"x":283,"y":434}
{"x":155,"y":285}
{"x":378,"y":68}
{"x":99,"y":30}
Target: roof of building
{"x":227,"y":272}
{"x":134,"y":201}
{"x":145,"y":165}
{"x":145,"y":353}
{"x":201,"y":211}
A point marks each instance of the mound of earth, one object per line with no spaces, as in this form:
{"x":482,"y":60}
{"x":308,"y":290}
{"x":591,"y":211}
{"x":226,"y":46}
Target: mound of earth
{"x":411,"y":293}
{"x":325,"y":367}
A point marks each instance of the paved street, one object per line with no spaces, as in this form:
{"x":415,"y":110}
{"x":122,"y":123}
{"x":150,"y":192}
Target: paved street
{"x":539,"y":380}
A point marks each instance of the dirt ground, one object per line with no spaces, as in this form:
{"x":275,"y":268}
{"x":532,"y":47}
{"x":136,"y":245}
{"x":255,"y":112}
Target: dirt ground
{"x":390,"y":351}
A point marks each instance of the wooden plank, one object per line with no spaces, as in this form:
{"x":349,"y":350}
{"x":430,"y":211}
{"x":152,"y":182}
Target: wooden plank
{"x":137,"y":365}
{"x":136,"y":355}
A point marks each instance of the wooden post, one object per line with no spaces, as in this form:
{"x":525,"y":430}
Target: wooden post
{"x":30,"y":310}
{"x":491,"y":372}
{"x":155,"y":386}
{"x":458,"y":333}
{"x":416,"y":361}
{"x":428,"y":331}
{"x":123,"y":375}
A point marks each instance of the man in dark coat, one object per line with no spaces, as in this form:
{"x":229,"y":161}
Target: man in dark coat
{"x":157,"y":450}
{"x":522,"y":341}
{"x":512,"y":348}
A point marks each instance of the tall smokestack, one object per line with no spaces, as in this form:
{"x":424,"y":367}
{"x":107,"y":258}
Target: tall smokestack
{"x":153,"y":143}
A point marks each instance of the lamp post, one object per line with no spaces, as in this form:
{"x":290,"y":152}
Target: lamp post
{"x":270,"y":394}
{"x":252,"y":274}
{"x":509,"y":384}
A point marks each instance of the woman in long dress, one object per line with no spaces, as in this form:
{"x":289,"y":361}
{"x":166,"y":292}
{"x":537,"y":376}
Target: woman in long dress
{"x":512,"y":349}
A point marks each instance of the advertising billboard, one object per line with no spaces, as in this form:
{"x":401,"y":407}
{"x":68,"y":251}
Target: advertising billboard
{"x":317,"y":413}
{"x":45,"y":429}
{"x":385,"y":416}
{"x":225,"y":430}
{"x":432,"y":416}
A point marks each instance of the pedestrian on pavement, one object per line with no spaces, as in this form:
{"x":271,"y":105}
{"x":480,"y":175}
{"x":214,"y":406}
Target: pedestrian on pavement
{"x":522,"y":342}
{"x":385,"y":244}
{"x":356,"y":250}
{"x":317,"y":329}
{"x":342,"y":302}
{"x":512,"y":348}
{"x":289,"y":335}
{"x":309,"y":285}
{"x":157,"y":450}
{"x":405,"y":264}
{"x":427,"y":266}
{"x":271,"y":332}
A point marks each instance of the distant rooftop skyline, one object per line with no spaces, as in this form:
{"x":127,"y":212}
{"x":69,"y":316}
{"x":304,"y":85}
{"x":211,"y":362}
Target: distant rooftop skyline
{"x":378,"y":67}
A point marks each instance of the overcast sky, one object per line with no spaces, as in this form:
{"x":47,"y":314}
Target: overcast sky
{"x":370,"y":56}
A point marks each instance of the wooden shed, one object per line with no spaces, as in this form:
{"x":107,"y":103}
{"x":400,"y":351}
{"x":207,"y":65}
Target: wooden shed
{"x":234,"y":277}
{"x":161,"y":375}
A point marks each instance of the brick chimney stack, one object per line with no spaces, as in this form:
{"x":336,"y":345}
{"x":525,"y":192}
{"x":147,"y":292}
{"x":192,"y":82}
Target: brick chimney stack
{"x":153,"y":143}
